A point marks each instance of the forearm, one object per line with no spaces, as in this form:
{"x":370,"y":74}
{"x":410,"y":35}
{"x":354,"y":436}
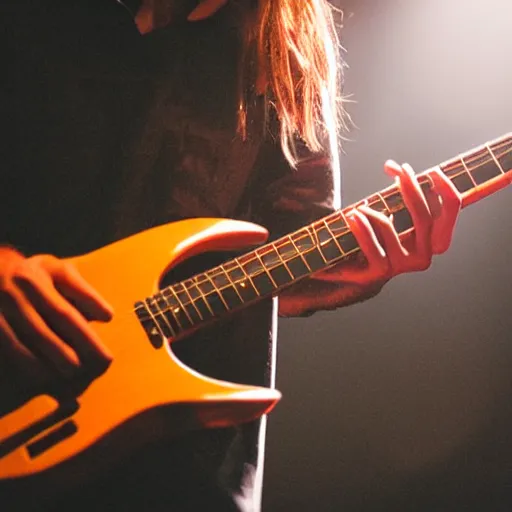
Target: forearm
{"x":311,"y":295}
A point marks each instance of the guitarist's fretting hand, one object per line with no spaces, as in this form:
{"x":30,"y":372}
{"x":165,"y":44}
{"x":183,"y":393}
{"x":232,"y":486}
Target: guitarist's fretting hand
{"x":45,"y":306}
{"x":433,"y":215}
{"x":383,"y":254}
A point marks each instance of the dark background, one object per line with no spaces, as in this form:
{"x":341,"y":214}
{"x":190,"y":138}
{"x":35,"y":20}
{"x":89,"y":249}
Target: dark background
{"x":405,"y":402}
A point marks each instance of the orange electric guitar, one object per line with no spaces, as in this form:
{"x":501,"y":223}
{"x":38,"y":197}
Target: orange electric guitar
{"x":146,"y":389}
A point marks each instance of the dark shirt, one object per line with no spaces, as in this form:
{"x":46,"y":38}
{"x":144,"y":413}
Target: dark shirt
{"x":107,"y":133}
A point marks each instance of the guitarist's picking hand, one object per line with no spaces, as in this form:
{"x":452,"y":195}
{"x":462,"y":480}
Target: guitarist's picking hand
{"x":45,"y":306}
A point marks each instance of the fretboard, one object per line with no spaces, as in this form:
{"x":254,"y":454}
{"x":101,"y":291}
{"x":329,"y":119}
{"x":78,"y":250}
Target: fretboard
{"x":265,"y":271}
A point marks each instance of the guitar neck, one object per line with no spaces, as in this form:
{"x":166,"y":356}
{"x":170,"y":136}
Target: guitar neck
{"x":268,"y":269}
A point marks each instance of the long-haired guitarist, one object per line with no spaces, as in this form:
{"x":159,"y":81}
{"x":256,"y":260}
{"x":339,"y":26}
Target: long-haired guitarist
{"x":119,"y":116}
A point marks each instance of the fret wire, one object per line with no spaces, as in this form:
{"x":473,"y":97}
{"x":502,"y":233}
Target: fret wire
{"x":368,"y":201}
{"x":198,"y":279}
{"x":284,"y":242}
{"x":494,"y":158}
{"x":388,"y":211}
{"x":192,"y":300}
{"x":283,"y":262}
{"x":183,"y":308}
{"x":317,"y":240}
{"x":385,"y":196}
{"x":155,"y":321}
{"x":497,"y":147}
{"x":203,"y":278}
{"x":478,"y":154}
{"x":219,"y":293}
{"x":248,"y":255}
{"x":333,"y":217}
{"x":334,"y":238}
{"x":300,"y":254}
{"x":257,"y":259}
{"x":505,"y":143}
{"x":311,"y":228}
{"x":339,"y":215}
{"x":203,"y":296}
{"x":453,"y":176}
{"x":217,"y":289}
{"x":302,"y":234}
{"x":142,"y":307}
{"x":265,"y":270}
{"x":171,"y":308}
{"x":163,"y":313}
{"x":311,"y":250}
{"x":468,"y":171}
{"x":503,"y":152}
{"x":233,"y":285}
{"x":247,"y":276}
{"x":357,"y":248}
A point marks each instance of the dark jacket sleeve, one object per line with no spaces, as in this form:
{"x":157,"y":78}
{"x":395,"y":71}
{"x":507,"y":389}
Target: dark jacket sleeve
{"x":284,"y":198}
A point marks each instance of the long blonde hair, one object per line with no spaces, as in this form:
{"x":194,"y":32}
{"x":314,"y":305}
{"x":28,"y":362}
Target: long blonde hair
{"x":299,"y":63}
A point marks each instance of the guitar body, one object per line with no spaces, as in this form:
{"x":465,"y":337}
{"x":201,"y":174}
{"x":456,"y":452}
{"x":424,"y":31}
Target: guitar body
{"x":146,"y":392}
